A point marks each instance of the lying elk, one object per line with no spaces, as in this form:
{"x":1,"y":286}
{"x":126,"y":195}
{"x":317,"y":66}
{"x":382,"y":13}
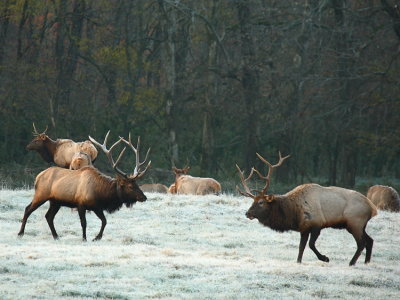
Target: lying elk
{"x":308,"y":209}
{"x":172,"y":189}
{"x":154,"y":188}
{"x":87,"y":189}
{"x":59,"y":151}
{"x":186,"y":184}
{"x":384,"y":197}
{"x":80,"y":160}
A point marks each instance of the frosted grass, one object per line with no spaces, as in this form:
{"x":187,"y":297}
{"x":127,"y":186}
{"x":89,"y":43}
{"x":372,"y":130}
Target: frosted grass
{"x":186,"y":247}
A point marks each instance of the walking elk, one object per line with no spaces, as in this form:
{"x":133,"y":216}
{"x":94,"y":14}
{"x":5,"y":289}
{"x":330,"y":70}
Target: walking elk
{"x":87,"y":189}
{"x":308,"y":209}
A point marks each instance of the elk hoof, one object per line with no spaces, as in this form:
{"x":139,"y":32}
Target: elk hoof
{"x":97,"y":238}
{"x":324,"y":258}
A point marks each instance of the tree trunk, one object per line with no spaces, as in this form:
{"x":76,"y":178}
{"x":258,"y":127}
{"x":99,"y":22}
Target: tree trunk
{"x":250,"y":82}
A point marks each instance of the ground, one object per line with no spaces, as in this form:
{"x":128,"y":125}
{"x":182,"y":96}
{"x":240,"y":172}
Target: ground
{"x":186,"y":247}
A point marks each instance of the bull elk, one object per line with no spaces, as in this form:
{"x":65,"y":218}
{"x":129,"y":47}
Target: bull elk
{"x":308,"y":209}
{"x":186,"y":184}
{"x":384,"y":197}
{"x":60,"y":151}
{"x":87,"y":189}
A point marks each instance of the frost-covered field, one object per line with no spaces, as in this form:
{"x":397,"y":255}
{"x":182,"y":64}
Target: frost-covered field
{"x":186,"y":247}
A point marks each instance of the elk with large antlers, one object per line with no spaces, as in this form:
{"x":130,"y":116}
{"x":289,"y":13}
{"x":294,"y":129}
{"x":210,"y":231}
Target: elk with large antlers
{"x":60,"y":151}
{"x":87,"y":189}
{"x":308,"y":209}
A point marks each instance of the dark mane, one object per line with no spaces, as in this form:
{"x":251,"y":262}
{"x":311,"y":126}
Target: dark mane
{"x":106,"y":193}
{"x":284,"y":214}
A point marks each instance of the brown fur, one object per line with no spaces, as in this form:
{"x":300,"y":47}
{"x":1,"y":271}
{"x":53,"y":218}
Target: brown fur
{"x":384,"y":197}
{"x":309,"y":208}
{"x":84,"y":189}
{"x":154,"y":188}
{"x":186,"y":184}
{"x":61,"y":151}
{"x":80,"y":160}
{"x":172,"y":189}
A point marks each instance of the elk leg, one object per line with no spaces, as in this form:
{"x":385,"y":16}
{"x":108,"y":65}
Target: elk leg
{"x":28,"y":210}
{"x":302,"y":246}
{"x":82,"y":216}
{"x":51,"y":213}
{"x":314,"y":236}
{"x":368,"y":246}
{"x":99,"y":213}
{"x":361,"y":241}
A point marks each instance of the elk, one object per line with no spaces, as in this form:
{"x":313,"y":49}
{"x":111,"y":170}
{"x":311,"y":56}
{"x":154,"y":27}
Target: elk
{"x":308,"y":209}
{"x":384,"y":197}
{"x":80,"y":160}
{"x":87,"y":189}
{"x":59,"y":151}
{"x":186,"y":184}
{"x":172,"y":189}
{"x":154,"y":188}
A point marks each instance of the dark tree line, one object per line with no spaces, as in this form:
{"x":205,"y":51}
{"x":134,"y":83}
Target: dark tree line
{"x":209,"y":83}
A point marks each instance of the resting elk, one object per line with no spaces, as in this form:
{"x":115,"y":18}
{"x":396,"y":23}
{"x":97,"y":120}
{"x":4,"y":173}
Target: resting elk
{"x":384,"y":197}
{"x":186,"y":184}
{"x":80,"y":160}
{"x":87,"y":189}
{"x":59,"y":151}
{"x":308,"y":209}
{"x":154,"y":188}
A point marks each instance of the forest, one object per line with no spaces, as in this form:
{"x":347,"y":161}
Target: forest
{"x":208,"y":84}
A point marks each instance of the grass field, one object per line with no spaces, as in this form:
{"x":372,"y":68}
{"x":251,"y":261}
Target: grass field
{"x":186,"y":247}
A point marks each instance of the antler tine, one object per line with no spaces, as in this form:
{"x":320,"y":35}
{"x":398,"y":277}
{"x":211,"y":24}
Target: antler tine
{"x":137,"y":173}
{"x":35,"y":132}
{"x":270,"y":168}
{"x":108,"y":152}
{"x":247,"y":191}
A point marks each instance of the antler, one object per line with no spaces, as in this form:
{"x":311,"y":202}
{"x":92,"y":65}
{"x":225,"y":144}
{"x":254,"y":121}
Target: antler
{"x":108,"y":152}
{"x":137,"y":173}
{"x":36,"y":133}
{"x":270,"y":169}
{"x":247,"y":191}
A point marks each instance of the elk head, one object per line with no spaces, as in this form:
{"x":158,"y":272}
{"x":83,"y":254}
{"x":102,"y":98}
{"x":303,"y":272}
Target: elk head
{"x":127,"y":188}
{"x":261,"y":199}
{"x":39,"y":139}
{"x":180,"y":172}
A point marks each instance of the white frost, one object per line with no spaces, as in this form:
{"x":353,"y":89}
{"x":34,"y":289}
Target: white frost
{"x":186,"y":247}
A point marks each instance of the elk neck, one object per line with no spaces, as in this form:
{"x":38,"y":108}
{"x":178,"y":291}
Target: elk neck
{"x":283,"y":215}
{"x":47,"y":152}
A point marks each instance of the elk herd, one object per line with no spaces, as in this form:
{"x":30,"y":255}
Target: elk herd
{"x":76,"y":183}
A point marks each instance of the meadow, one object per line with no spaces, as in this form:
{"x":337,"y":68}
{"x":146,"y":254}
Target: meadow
{"x":186,"y":247}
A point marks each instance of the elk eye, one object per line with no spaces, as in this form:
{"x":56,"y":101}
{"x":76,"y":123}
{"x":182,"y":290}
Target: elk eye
{"x":261,"y":202}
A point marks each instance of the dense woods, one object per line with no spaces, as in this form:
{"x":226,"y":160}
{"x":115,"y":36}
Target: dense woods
{"x":208,"y":83}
